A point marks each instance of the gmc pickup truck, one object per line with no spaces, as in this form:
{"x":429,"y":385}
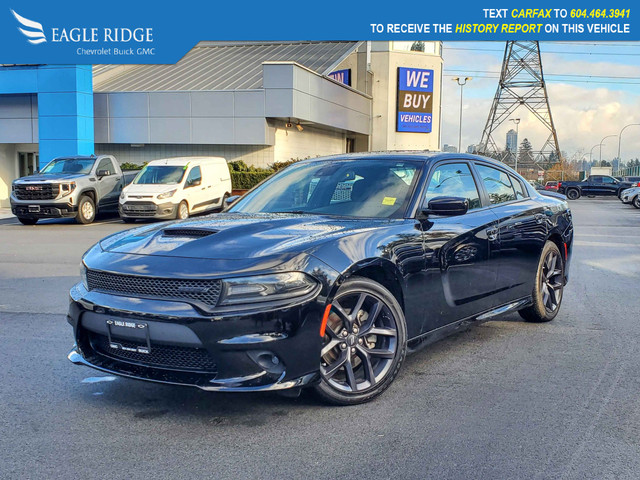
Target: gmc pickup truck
{"x":77,"y":187}
{"x":594,"y":185}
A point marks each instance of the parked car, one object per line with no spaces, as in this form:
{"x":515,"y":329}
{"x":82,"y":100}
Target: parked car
{"x":325,"y":275}
{"x":77,"y":187}
{"x":594,"y":185}
{"x":632,"y":196}
{"x":176,"y":188}
{"x":553,"y":186}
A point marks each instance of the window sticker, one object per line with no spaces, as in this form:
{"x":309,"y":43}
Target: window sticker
{"x":389,"y":201}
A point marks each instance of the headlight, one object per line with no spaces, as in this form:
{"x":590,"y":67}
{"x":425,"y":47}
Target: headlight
{"x":122,"y":195}
{"x":167,"y":194}
{"x":67,"y":188}
{"x":83,"y":275}
{"x":266,"y":288}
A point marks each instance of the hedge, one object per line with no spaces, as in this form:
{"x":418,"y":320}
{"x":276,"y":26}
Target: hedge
{"x":247,"y":180}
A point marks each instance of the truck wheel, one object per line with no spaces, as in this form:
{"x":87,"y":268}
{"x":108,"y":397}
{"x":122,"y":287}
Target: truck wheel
{"x":573,"y":194}
{"x":183,"y":211}
{"x":86,"y":210}
{"x":636,"y":201}
{"x":33,"y":221}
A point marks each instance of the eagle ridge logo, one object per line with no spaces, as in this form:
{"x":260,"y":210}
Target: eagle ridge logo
{"x":32,"y":30}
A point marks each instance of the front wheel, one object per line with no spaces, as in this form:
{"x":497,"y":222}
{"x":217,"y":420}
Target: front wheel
{"x":573,"y":194}
{"x":183,"y":211}
{"x":549,"y":286}
{"x":27,"y":220}
{"x":636,"y":201}
{"x":86,"y":210}
{"x":364,"y":345}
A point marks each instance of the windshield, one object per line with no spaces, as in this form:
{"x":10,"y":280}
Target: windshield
{"x":160,"y":174}
{"x":354,"y":188}
{"x":81,"y":166}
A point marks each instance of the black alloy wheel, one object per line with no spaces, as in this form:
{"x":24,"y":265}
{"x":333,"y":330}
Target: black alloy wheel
{"x":549,"y":287}
{"x":573,"y":194}
{"x":364,"y":343}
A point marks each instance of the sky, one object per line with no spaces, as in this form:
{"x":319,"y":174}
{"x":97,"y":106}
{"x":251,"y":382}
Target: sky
{"x":594,"y":91}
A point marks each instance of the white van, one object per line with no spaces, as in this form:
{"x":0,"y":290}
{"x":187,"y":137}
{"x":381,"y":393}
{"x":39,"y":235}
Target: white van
{"x":176,"y":188}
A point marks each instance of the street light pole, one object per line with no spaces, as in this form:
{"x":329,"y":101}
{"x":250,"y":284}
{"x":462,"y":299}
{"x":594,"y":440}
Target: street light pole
{"x":620,"y":136}
{"x":517,"y":122}
{"x":602,"y":142}
{"x":462,"y":83}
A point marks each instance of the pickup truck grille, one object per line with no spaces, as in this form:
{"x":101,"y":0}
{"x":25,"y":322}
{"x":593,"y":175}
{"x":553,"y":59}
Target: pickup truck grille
{"x":202,"y":291}
{"x":37,"y":191}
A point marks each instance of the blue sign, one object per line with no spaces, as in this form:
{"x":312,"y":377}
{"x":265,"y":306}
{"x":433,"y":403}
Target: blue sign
{"x":342,"y":76}
{"x":415,"y":100}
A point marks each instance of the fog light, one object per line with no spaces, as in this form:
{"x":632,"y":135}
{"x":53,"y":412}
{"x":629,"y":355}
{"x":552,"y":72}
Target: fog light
{"x":268,"y":361}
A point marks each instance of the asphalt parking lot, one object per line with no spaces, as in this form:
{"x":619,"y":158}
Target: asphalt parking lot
{"x":505,"y":399}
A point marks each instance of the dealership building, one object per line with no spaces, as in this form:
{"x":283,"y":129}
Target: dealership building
{"x":260,"y":102}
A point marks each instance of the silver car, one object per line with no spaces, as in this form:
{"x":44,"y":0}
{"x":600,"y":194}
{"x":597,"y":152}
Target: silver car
{"x":632,"y":196}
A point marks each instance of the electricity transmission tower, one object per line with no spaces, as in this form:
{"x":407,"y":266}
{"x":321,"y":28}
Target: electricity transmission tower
{"x":521,"y":84}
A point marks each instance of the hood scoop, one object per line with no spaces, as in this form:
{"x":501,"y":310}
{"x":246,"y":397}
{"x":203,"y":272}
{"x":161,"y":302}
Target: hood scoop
{"x":188,"y":232}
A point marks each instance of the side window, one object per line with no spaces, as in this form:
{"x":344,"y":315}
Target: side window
{"x":596,"y":179}
{"x":106,"y":164}
{"x":608,"y":180}
{"x":521,"y":192}
{"x":194,"y":177}
{"x":453,"y":180}
{"x":497,"y":184}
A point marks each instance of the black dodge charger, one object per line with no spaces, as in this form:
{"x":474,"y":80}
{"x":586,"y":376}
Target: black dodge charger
{"x":325,"y":275}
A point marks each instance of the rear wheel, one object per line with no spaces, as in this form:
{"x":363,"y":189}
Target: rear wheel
{"x":27,"y":220}
{"x":636,"y":201}
{"x":365,"y":343}
{"x":86,"y":210}
{"x":183,"y":211}
{"x":549,"y":286}
{"x":573,"y":194}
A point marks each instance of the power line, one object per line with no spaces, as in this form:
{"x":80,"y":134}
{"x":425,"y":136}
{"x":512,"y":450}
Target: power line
{"x":548,"y":51}
{"x":546,"y":74}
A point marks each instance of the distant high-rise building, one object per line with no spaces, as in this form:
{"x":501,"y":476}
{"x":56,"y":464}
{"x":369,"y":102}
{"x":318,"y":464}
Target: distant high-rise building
{"x":450,"y":148}
{"x":512,"y":141}
{"x":472,"y":148}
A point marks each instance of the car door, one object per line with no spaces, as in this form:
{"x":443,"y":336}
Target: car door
{"x":609,"y":186}
{"x":194,"y":190}
{"x":460,"y":270}
{"x":522,"y":231}
{"x":108,"y":185}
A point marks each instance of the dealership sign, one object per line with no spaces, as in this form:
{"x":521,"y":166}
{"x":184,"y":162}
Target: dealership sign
{"x":342,"y":76}
{"x":415,"y":100}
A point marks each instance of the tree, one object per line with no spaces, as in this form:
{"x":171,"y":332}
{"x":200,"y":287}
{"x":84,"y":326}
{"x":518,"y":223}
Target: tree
{"x":525,"y":153}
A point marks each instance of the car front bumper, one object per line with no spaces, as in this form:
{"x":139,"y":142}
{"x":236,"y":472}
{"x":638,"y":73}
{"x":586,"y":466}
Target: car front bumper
{"x":43,"y":210}
{"x":173,"y":342}
{"x":140,"y":210}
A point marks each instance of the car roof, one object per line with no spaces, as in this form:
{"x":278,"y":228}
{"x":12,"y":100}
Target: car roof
{"x":425,"y":156}
{"x":181,"y":161}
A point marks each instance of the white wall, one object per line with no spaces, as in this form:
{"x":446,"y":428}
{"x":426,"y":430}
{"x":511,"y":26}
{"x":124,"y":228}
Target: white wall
{"x":311,"y":142}
{"x":7,"y":172}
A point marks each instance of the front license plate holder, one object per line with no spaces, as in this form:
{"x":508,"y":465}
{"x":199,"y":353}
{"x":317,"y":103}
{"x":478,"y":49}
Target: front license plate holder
{"x":34,"y":208}
{"x":139,"y":336}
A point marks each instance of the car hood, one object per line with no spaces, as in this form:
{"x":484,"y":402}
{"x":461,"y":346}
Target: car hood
{"x":54,"y":177}
{"x":148,"y":190}
{"x":237,"y":236}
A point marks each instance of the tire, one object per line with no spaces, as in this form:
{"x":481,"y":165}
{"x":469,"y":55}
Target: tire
{"x":182,"y":212}
{"x":573,"y":194}
{"x":27,"y":220}
{"x":636,"y":201}
{"x":357,"y":365}
{"x":86,"y":210}
{"x":224,"y":201}
{"x":549,"y":286}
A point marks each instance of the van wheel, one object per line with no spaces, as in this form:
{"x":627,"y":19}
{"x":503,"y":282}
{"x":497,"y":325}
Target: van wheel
{"x":573,"y":194}
{"x":224,"y":201}
{"x":27,"y":220}
{"x":86,"y":210}
{"x":636,"y":201}
{"x":183,"y":211}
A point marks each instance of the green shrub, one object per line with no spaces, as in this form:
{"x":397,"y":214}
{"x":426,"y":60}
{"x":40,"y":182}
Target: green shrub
{"x":280,"y":165}
{"x":131,"y":166}
{"x":247,"y":180}
{"x":239,"y":166}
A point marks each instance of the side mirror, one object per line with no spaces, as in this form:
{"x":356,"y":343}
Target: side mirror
{"x":232,"y":199}
{"x":102,"y":173}
{"x":194,"y":183}
{"x":447,"y":206}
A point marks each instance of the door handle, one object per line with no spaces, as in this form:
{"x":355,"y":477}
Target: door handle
{"x":492,"y":234}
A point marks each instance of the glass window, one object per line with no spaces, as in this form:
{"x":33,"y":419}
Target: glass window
{"x":453,"y":180}
{"x":195,"y":176}
{"x":354,"y":188}
{"x":106,"y":164}
{"x":69,"y":165}
{"x":160,"y":174}
{"x":497,"y":184}
{"x":596,"y":179}
{"x":521,"y":192}
{"x":609,"y":180}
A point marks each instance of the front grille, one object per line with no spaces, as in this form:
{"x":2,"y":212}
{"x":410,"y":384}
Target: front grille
{"x":204,"y":291}
{"x":37,"y":191}
{"x":141,"y":209}
{"x":161,"y":356}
